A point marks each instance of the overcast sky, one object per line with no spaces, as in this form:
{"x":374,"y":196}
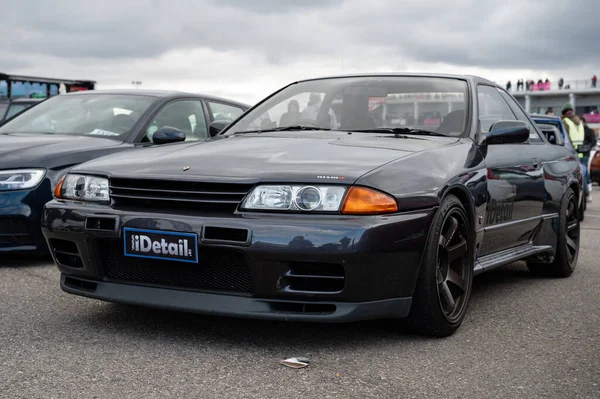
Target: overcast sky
{"x":245,"y":49}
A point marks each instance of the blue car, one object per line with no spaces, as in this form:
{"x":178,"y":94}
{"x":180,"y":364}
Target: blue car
{"x":556,"y":122}
{"x":40,"y":145}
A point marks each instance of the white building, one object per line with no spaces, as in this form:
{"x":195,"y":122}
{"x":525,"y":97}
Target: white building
{"x":585,"y":100}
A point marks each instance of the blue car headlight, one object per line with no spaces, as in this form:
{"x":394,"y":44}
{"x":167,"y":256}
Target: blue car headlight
{"x":20,"y":179}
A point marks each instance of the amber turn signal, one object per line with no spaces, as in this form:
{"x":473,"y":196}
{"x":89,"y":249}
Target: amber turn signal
{"x":58,"y":187}
{"x":366,"y":201}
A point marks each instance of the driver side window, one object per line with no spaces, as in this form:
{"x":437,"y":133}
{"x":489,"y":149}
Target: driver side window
{"x":534,"y":134}
{"x":492,"y":108}
{"x":185,"y":115}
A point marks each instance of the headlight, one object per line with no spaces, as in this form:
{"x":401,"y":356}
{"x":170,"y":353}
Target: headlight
{"x":295,"y":198}
{"x":85,"y":188}
{"x":20,"y":179}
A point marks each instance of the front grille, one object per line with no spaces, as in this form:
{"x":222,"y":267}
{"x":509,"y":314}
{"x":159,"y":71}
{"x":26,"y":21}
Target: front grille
{"x":187,"y":195}
{"x":15,"y":232}
{"x":217,"y":269}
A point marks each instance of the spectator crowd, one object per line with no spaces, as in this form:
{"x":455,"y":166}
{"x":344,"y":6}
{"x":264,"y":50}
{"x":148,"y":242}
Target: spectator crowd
{"x":531,"y":85}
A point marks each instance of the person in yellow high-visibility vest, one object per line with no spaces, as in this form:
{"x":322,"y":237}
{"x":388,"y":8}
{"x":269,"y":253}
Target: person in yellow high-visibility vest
{"x":582,"y":140}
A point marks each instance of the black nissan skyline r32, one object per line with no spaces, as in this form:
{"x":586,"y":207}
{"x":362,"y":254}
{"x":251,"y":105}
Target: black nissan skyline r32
{"x":334,"y":199}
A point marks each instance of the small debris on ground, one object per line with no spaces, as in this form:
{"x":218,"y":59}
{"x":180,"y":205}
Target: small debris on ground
{"x":296,"y":362}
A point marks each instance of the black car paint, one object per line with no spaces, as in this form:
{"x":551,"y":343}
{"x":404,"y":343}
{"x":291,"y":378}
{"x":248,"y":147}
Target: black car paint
{"x":384,"y":259}
{"x":57,"y":154}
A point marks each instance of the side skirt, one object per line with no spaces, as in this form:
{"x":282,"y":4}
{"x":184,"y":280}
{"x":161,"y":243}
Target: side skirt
{"x":492,"y":261}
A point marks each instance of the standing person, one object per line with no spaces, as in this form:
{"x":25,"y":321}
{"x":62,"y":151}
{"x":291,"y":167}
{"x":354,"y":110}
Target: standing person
{"x":582,"y":142}
{"x":561,"y":82}
{"x":594,"y":80}
{"x":290,"y":118}
{"x":312,"y":110}
{"x":591,"y":140}
{"x":508,"y":86}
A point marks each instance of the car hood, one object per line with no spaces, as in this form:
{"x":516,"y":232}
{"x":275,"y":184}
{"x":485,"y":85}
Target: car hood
{"x":31,"y":150}
{"x":307,"y":156}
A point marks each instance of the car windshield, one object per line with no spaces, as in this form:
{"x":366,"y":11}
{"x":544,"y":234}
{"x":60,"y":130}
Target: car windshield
{"x":380,"y":104}
{"x":107,"y":115}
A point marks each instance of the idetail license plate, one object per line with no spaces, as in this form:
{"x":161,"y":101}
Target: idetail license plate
{"x":158,"y":244}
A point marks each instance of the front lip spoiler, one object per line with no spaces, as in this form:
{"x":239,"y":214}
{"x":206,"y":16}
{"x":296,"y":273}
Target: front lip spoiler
{"x":233,"y":305}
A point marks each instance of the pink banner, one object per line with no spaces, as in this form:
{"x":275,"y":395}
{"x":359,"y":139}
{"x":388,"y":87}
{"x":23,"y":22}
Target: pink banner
{"x":433,"y":121}
{"x":592,"y":118}
{"x":541,"y":86}
{"x":374,"y":102}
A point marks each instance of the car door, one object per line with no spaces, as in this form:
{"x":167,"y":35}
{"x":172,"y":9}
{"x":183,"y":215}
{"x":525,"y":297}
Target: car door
{"x":515,"y":180}
{"x":186,"y":115}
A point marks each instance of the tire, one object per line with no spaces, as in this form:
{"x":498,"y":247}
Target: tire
{"x":444,"y":285}
{"x":567,"y":243}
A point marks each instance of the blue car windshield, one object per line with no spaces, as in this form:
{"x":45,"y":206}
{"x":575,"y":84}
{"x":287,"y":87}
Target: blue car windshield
{"x":107,"y":115}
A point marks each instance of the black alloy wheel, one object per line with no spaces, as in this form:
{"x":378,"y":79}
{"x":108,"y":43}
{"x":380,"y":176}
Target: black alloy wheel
{"x":567,"y":241}
{"x":453,"y":266}
{"x":442,"y":292}
{"x":572,"y":233}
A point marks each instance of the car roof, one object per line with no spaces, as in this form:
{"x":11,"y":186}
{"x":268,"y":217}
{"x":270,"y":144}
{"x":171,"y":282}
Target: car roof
{"x":474,"y":79}
{"x":157,"y":94}
{"x":546,"y":117}
{"x":544,"y":125}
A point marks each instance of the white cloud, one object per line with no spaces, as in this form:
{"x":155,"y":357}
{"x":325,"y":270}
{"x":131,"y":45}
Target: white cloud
{"x":247,"y":49}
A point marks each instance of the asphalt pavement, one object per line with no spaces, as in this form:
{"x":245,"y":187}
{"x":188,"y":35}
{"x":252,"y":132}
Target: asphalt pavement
{"x":524,"y":337}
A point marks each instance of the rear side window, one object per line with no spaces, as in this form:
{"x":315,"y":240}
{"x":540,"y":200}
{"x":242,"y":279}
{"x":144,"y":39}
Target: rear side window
{"x":552,"y":133}
{"x":222,"y":111}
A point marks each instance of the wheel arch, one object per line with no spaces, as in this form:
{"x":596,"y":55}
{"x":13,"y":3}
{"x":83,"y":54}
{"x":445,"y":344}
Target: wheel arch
{"x":578,"y":190}
{"x":466,"y":198}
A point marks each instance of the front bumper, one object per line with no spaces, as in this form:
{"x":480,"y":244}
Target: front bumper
{"x":291,"y":267}
{"x":20,"y":215}
{"x":236,"y":306}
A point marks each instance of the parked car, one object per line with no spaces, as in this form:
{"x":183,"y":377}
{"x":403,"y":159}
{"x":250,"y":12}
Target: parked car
{"x":39,"y":146}
{"x":10,"y":108}
{"x":548,"y":124}
{"x":293,"y":213}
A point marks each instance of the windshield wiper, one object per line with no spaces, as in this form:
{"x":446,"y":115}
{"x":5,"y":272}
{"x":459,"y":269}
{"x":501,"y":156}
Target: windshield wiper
{"x":400,"y":130}
{"x":282,"y":129}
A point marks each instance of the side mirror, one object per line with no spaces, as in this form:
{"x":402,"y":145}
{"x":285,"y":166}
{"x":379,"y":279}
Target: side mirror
{"x":217,"y":126}
{"x":167,"y":135}
{"x":507,"y":132}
